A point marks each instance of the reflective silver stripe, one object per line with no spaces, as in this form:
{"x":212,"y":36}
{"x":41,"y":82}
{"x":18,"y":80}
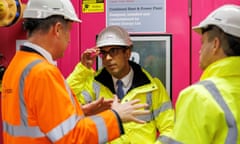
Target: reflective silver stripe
{"x":150,"y":116}
{"x":63,"y":128}
{"x":96,"y":88}
{"x":165,"y":106}
{"x":23,"y":112}
{"x":87,"y":96}
{"x":149,"y":100}
{"x":69,"y":92}
{"x":101,"y":128}
{"x":147,"y":117}
{"x":155,"y":113}
{"x":21,"y":130}
{"x":167,"y":140}
{"x":231,"y":122}
{"x":24,"y":129}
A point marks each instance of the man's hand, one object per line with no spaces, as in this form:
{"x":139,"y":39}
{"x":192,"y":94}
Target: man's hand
{"x":89,"y":56}
{"x":129,"y":110}
{"x":97,"y":106}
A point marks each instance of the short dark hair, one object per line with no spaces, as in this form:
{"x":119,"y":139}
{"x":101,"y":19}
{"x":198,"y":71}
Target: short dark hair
{"x":31,"y":24}
{"x":229,"y":43}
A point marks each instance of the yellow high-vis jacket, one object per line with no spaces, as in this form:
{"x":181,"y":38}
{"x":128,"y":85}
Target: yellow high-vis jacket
{"x":208,"y":112}
{"x":38,"y":107}
{"x":89,"y":86}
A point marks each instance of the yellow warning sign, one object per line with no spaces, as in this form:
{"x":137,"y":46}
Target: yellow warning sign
{"x":92,"y":6}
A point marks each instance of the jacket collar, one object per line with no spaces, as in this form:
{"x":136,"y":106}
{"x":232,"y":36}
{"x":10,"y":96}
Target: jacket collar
{"x":222,"y":68}
{"x":139,"y":77}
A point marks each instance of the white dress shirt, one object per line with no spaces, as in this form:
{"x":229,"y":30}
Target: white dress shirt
{"x":127,"y":81}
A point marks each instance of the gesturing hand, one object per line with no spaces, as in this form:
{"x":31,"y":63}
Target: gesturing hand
{"x":89,"y":56}
{"x":130,"y":110}
{"x":97,"y":106}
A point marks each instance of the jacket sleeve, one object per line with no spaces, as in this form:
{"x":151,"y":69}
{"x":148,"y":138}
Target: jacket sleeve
{"x":80,"y":79}
{"x":163,"y":111}
{"x":55,"y":110}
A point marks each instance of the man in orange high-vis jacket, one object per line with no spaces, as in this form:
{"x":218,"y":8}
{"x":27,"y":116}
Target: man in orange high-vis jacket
{"x":38,"y":106}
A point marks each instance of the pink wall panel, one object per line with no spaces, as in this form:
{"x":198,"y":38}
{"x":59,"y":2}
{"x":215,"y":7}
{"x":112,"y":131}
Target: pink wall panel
{"x":178,"y":26}
{"x":92,"y":24}
{"x":8,"y":38}
{"x":71,"y":55}
{"x":83,"y":36}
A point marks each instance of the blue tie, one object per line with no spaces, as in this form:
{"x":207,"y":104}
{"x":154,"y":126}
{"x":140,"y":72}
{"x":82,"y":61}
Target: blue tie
{"x":120,"y":92}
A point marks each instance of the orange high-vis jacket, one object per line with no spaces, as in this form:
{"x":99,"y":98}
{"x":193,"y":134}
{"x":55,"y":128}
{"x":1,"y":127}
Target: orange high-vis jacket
{"x":38,"y":107}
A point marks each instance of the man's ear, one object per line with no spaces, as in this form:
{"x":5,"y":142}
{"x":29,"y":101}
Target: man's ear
{"x":128,"y":52}
{"x":216,"y":44}
{"x":57,"y":28}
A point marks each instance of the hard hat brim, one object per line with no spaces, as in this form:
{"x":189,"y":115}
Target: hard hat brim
{"x":197,"y":29}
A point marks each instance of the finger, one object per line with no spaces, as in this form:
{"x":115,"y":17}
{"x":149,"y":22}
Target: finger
{"x":133,"y":102}
{"x":115,"y":99}
{"x":134,"y":119}
{"x":93,"y":49}
{"x":139,"y":106}
{"x":96,"y":102}
{"x":108,"y":101}
{"x":101,"y":99}
{"x":97,"y":50}
{"x":141,"y":112}
{"x":106,"y":104}
{"x":93,"y":52}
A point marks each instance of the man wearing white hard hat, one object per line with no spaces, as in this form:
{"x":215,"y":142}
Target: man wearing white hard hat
{"x":126,"y":79}
{"x":208,"y":112}
{"x":38,"y":106}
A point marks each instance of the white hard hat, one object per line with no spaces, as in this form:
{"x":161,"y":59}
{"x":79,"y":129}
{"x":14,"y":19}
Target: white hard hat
{"x":40,"y":9}
{"x":113,"y":35}
{"x":226,"y":17}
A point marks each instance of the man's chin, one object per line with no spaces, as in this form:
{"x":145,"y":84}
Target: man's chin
{"x":112,"y":71}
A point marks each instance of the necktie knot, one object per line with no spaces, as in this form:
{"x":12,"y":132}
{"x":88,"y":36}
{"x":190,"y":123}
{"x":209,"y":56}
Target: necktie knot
{"x":119,"y":83}
{"x":120,"y":92}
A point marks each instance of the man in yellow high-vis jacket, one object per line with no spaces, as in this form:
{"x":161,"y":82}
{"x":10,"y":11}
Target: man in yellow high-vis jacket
{"x":114,"y":47}
{"x":208,"y":112}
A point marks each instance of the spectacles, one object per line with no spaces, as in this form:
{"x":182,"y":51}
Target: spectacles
{"x":112,"y":52}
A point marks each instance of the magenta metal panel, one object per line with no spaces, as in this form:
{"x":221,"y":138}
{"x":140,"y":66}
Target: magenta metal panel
{"x":83,"y":36}
{"x":8,"y":37}
{"x":177,"y":19}
{"x":92,"y":24}
{"x":72,"y":53}
{"x":178,"y":25}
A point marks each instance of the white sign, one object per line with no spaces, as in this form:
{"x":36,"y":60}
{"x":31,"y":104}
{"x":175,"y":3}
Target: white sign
{"x":137,"y":16}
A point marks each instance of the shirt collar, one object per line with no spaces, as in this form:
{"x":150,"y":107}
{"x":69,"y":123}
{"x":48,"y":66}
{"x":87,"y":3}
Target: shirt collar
{"x":127,"y":80}
{"x":42,"y":51}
